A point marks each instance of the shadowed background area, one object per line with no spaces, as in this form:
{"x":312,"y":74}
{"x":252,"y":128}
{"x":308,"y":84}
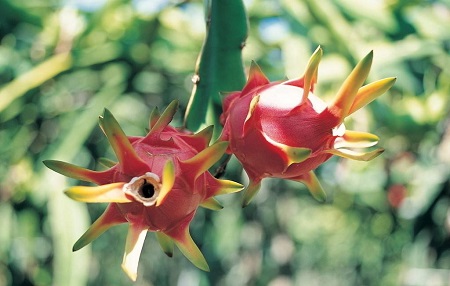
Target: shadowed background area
{"x":386,"y":222}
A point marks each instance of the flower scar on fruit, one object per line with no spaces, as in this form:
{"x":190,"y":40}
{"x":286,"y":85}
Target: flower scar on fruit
{"x":157,"y":185}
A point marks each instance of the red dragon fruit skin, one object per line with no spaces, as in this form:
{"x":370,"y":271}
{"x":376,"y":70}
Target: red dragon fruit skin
{"x":282,"y":130}
{"x":157,"y":185}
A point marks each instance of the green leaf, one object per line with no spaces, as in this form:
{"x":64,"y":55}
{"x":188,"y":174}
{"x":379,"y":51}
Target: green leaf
{"x":220,"y":65}
{"x":34,"y":77}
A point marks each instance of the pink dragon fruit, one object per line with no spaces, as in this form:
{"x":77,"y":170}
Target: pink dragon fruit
{"x":282,"y":130}
{"x":157,"y":185}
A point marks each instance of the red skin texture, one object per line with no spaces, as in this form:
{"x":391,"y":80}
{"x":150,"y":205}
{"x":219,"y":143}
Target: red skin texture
{"x":185,"y":196}
{"x":301,"y":126}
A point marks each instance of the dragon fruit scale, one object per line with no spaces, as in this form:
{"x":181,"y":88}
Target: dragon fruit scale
{"x":157,"y":185}
{"x":283,"y":130}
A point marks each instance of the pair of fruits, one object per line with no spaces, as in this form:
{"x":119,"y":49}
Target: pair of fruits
{"x":275,"y":129}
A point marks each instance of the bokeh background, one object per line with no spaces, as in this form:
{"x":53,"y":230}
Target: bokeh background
{"x":386,"y":222}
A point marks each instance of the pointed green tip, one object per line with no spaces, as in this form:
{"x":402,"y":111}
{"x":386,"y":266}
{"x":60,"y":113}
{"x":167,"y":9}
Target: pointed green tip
{"x":73,"y":171}
{"x":54,"y":165}
{"x":366,"y":62}
{"x":227,"y":187}
{"x":314,"y":62}
{"x":319,"y":48}
{"x":250,"y":192}
{"x":78,"y":245}
{"x":172,"y":107}
{"x":202,"y":265}
{"x":319,"y":196}
{"x":154,"y":116}
{"x":107,"y":117}
{"x":120,"y":143}
{"x":165,"y":242}
{"x":165,"y":118}
{"x":94,"y":231}
{"x":191,"y":251}
{"x":206,"y":133}
{"x":375,"y":153}
{"x":315,"y":188}
{"x":211,"y":204}
{"x":220,"y":148}
{"x":370,"y":92}
{"x":254,"y":66}
{"x":109,"y":123}
{"x":348,"y":91}
{"x":362,"y":69}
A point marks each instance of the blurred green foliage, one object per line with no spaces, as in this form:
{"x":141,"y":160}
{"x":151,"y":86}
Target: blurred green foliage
{"x":387,"y":221}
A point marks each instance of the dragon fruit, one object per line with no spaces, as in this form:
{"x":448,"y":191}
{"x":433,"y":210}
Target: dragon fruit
{"x":157,"y":185}
{"x":283,"y":130}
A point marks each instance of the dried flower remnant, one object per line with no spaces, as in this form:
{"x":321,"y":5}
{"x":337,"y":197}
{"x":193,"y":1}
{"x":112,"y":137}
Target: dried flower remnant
{"x":283,"y":130}
{"x":157,"y":185}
